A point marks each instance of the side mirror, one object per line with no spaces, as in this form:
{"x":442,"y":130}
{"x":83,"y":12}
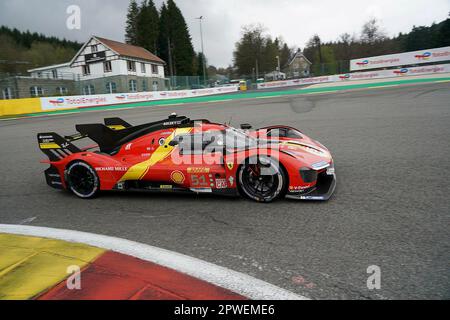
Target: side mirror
{"x":174,"y":143}
{"x":246,"y":126}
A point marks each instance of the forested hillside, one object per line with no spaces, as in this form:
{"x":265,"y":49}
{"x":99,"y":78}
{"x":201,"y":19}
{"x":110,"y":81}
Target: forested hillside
{"x":333,"y":57}
{"x":258,"y":50}
{"x":21,"y":51}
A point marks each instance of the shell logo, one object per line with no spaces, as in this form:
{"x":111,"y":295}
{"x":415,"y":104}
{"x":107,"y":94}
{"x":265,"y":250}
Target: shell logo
{"x":178,"y":177}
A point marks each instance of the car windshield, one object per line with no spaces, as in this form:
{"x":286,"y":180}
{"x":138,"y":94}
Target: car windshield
{"x":231,"y":139}
{"x":238,"y":139}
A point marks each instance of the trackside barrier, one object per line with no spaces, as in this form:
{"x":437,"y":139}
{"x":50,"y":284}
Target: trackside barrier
{"x":393,"y":73}
{"x":74,"y":102}
{"x":37,"y":105}
{"x":436,"y":55}
{"x":20,"y":106}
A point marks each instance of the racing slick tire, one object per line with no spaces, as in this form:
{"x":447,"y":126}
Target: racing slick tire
{"x":82,"y":180}
{"x":262,"y":179}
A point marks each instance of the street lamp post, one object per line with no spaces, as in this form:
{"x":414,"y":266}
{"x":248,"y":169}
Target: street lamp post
{"x":278,"y":67}
{"x":203,"y":50}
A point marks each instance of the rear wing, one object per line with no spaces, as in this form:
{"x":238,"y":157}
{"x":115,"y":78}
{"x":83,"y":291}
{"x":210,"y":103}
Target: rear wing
{"x":117,"y":124}
{"x":55,"y":147}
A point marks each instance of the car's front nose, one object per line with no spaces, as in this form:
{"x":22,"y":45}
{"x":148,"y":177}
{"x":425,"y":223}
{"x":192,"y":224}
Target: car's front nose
{"x":325,"y":176}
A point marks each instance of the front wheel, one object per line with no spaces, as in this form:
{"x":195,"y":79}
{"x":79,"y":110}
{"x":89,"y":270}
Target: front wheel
{"x":262,"y":179}
{"x":82,"y":180}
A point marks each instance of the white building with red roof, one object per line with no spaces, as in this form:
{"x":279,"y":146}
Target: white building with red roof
{"x":108,"y":66}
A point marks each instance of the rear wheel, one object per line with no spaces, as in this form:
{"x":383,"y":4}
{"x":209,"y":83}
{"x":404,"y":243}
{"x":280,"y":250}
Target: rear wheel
{"x":82,"y":180}
{"x":262,"y":179}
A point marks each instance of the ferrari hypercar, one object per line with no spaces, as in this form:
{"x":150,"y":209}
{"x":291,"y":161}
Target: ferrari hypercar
{"x":179,"y":154}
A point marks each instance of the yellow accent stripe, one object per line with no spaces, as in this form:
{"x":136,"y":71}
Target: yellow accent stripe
{"x":29,"y":266}
{"x":138,"y":171}
{"x":117,"y":127}
{"x":49,"y":146}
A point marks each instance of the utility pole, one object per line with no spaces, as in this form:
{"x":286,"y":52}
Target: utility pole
{"x":203,"y":50}
{"x":278,"y":68}
{"x":169,"y":47}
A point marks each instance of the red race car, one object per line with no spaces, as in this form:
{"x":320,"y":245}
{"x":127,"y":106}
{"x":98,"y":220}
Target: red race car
{"x":180,"y":154}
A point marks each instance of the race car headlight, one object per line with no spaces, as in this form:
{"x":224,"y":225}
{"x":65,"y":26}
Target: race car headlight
{"x":308,"y":175}
{"x":320,"y":165}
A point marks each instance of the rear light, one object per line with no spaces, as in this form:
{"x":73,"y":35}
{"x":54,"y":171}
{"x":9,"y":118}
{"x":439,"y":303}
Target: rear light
{"x":308,"y":175}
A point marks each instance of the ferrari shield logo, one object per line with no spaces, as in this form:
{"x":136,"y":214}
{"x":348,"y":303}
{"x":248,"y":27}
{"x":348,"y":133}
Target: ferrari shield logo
{"x":230,"y":165}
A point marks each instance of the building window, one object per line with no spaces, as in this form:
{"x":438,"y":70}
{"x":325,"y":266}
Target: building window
{"x":86,"y":70}
{"x":94,"y":48}
{"x":36,"y":91}
{"x":143,"y":69}
{"x":107,"y":67}
{"x":133,"y":86}
{"x":55,"y":74}
{"x":61,"y":91}
{"x":154,"y":69}
{"x":111,"y":87}
{"x":89,"y":90}
{"x":131,"y":66}
{"x":7,"y":93}
{"x":144,"y":86}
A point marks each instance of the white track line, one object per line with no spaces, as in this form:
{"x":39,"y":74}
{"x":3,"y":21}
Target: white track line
{"x":240,"y":283}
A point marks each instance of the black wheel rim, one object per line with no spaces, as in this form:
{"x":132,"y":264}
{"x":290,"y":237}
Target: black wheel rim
{"x":258,"y":185}
{"x":82,"y":180}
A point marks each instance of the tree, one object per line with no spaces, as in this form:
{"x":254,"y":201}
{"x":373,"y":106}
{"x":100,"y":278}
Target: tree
{"x":444,"y":33}
{"x":371,"y":32}
{"x":198,"y":65}
{"x":148,"y":26}
{"x":211,"y":71}
{"x":21,"y":51}
{"x":11,"y":53}
{"x":285,"y":56}
{"x":257,"y":52}
{"x":271,"y":51}
{"x":317,"y":44}
{"x":313,"y":49}
{"x":175,"y":43}
{"x":164,"y":37}
{"x":249,"y":50}
{"x":131,"y":25}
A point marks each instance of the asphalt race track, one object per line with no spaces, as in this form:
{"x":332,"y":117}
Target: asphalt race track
{"x":391,"y":207}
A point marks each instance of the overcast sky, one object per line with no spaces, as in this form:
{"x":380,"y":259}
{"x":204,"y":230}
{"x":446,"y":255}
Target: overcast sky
{"x":295,"y":20}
